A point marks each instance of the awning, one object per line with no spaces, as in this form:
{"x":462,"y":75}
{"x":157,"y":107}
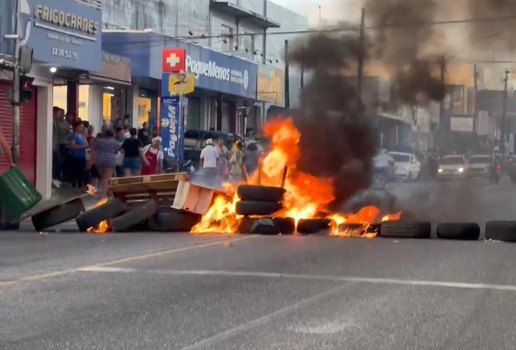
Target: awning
{"x":242,"y":13}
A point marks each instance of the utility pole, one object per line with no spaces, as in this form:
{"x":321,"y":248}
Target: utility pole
{"x":16,"y":89}
{"x":302,"y":76}
{"x":504,"y":112}
{"x":361,"y":56}
{"x":444,"y":127}
{"x":475,"y":103}
{"x":287,"y":76}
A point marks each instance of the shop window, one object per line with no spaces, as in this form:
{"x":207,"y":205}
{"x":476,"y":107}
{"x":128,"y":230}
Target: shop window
{"x":193,"y":120}
{"x":60,"y":100}
{"x":144,"y":110}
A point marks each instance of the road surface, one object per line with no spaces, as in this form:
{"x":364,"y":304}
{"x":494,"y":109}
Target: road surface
{"x":177,"y":291}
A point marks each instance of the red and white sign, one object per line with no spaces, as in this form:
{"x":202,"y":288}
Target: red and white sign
{"x":174,"y":60}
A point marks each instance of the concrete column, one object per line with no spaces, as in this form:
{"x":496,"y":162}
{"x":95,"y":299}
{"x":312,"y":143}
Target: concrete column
{"x":132,"y":104}
{"x":44,"y":141}
{"x":72,"y":97}
{"x":95,"y":104}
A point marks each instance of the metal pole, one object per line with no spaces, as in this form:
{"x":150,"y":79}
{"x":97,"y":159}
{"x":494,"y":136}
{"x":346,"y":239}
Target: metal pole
{"x":361,"y":55}
{"x":475,"y":103}
{"x":287,"y":77}
{"x":504,"y":112}
{"x":16,"y":90}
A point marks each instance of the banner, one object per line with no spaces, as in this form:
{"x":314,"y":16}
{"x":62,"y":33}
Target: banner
{"x":172,"y":128}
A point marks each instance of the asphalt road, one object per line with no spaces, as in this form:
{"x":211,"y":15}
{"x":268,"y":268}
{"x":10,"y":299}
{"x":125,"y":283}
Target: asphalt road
{"x":177,"y":291}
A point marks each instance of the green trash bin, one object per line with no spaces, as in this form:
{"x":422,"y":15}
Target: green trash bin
{"x":17,"y":194}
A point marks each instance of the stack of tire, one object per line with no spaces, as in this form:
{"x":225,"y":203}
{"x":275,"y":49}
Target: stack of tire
{"x":257,"y":205}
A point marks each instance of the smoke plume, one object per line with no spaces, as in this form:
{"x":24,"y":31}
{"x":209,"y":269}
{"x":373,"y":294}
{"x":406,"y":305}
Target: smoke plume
{"x":337,"y":140}
{"x":400,"y":37}
{"x":503,"y":28}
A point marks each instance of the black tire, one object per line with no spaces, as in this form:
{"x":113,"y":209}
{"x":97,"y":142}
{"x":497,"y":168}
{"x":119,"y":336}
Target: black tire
{"x":285,"y":226}
{"x":95,"y":216}
{"x":312,"y":226}
{"x":250,"y":208}
{"x":504,"y":231}
{"x":58,"y":215}
{"x":245,"y":225}
{"x":174,"y":220}
{"x":459,"y":231}
{"x":260,"y":193}
{"x":135,"y":216}
{"x":400,"y":229}
{"x":264,"y":227}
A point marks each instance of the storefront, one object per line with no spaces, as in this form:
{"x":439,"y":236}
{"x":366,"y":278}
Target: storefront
{"x":66,"y":39}
{"x":225,"y":85}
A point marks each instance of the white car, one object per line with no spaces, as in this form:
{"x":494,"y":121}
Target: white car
{"x":406,"y":166}
{"x":452,"y":167}
{"x":478,"y":165}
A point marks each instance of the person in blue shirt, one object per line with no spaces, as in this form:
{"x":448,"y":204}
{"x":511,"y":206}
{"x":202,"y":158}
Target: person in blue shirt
{"x":77,"y":159}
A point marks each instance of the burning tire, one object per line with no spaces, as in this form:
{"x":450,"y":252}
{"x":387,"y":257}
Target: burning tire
{"x":459,"y":231}
{"x":285,"y":226}
{"x":135,"y":216}
{"x":504,"y":231}
{"x":245,"y":225}
{"x":95,"y":216}
{"x":312,"y":226}
{"x":250,"y":208}
{"x":174,"y":221}
{"x":264,"y":227}
{"x":399,"y":229}
{"x":58,"y":215}
{"x":260,"y":193}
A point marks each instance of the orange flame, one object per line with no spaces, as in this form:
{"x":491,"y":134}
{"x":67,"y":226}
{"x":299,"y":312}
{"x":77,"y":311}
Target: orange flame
{"x":103,"y":227}
{"x":306,"y":197}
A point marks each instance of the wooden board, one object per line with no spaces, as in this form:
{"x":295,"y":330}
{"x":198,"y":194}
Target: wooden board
{"x":138,"y":189}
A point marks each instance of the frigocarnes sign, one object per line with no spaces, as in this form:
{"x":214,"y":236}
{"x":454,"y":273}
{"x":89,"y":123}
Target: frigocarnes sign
{"x":211,"y":69}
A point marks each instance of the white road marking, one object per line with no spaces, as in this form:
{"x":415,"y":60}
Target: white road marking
{"x":51,"y":274}
{"x":325,"y":327}
{"x":211,"y":341}
{"x":273,"y":275}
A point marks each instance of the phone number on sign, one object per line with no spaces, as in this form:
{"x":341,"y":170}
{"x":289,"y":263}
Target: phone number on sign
{"x":68,"y":54}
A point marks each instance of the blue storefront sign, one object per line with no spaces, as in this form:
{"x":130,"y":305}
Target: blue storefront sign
{"x":172,"y":128}
{"x":214,"y":71}
{"x":218,"y":72}
{"x":63,"y":33}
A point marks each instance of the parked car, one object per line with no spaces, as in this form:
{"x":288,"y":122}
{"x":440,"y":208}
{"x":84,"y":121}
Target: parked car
{"x":383,"y":166}
{"x":479,"y":166}
{"x":406,"y":166}
{"x":452,"y":167}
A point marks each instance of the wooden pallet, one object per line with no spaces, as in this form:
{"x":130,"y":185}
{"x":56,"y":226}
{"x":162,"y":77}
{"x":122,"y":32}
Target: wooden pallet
{"x":138,"y":189}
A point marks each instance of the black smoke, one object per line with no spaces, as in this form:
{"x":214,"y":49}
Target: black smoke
{"x":338,"y":140}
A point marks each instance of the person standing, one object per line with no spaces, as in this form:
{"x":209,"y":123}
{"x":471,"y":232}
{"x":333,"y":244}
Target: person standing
{"x":6,"y":149}
{"x":120,"y":138}
{"x":105,"y":151}
{"x":62,"y":131}
{"x":154,"y":156}
{"x":77,"y":156}
{"x":236,"y":162}
{"x":133,"y":155}
{"x":144,"y":134}
{"x":209,"y":156}
{"x":223,"y":159}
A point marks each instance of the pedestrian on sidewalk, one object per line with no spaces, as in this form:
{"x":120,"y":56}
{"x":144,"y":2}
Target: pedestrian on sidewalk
{"x":133,"y":155}
{"x":77,"y":156}
{"x":223,"y":159}
{"x":236,"y":162}
{"x":105,"y":151}
{"x":120,"y":138}
{"x":209,"y":156}
{"x":154,"y":156}
{"x":144,"y":134}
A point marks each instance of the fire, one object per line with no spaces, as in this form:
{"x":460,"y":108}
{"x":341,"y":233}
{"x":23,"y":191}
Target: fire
{"x":306,"y":197}
{"x":392,"y":217}
{"x":221,"y":216}
{"x":103,"y":227}
{"x":91,"y":190}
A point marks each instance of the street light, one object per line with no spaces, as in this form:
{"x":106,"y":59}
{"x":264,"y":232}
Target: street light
{"x":53,"y":70}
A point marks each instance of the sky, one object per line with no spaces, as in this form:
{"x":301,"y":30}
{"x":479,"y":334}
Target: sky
{"x":331,"y":10}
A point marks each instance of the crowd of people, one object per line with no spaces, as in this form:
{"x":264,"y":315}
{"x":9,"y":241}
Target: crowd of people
{"x":219,"y":164}
{"x":80,"y":157}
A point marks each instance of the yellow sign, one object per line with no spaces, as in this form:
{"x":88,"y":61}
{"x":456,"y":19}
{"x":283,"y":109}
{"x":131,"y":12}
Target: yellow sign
{"x":271,"y":85}
{"x":181,"y":83}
